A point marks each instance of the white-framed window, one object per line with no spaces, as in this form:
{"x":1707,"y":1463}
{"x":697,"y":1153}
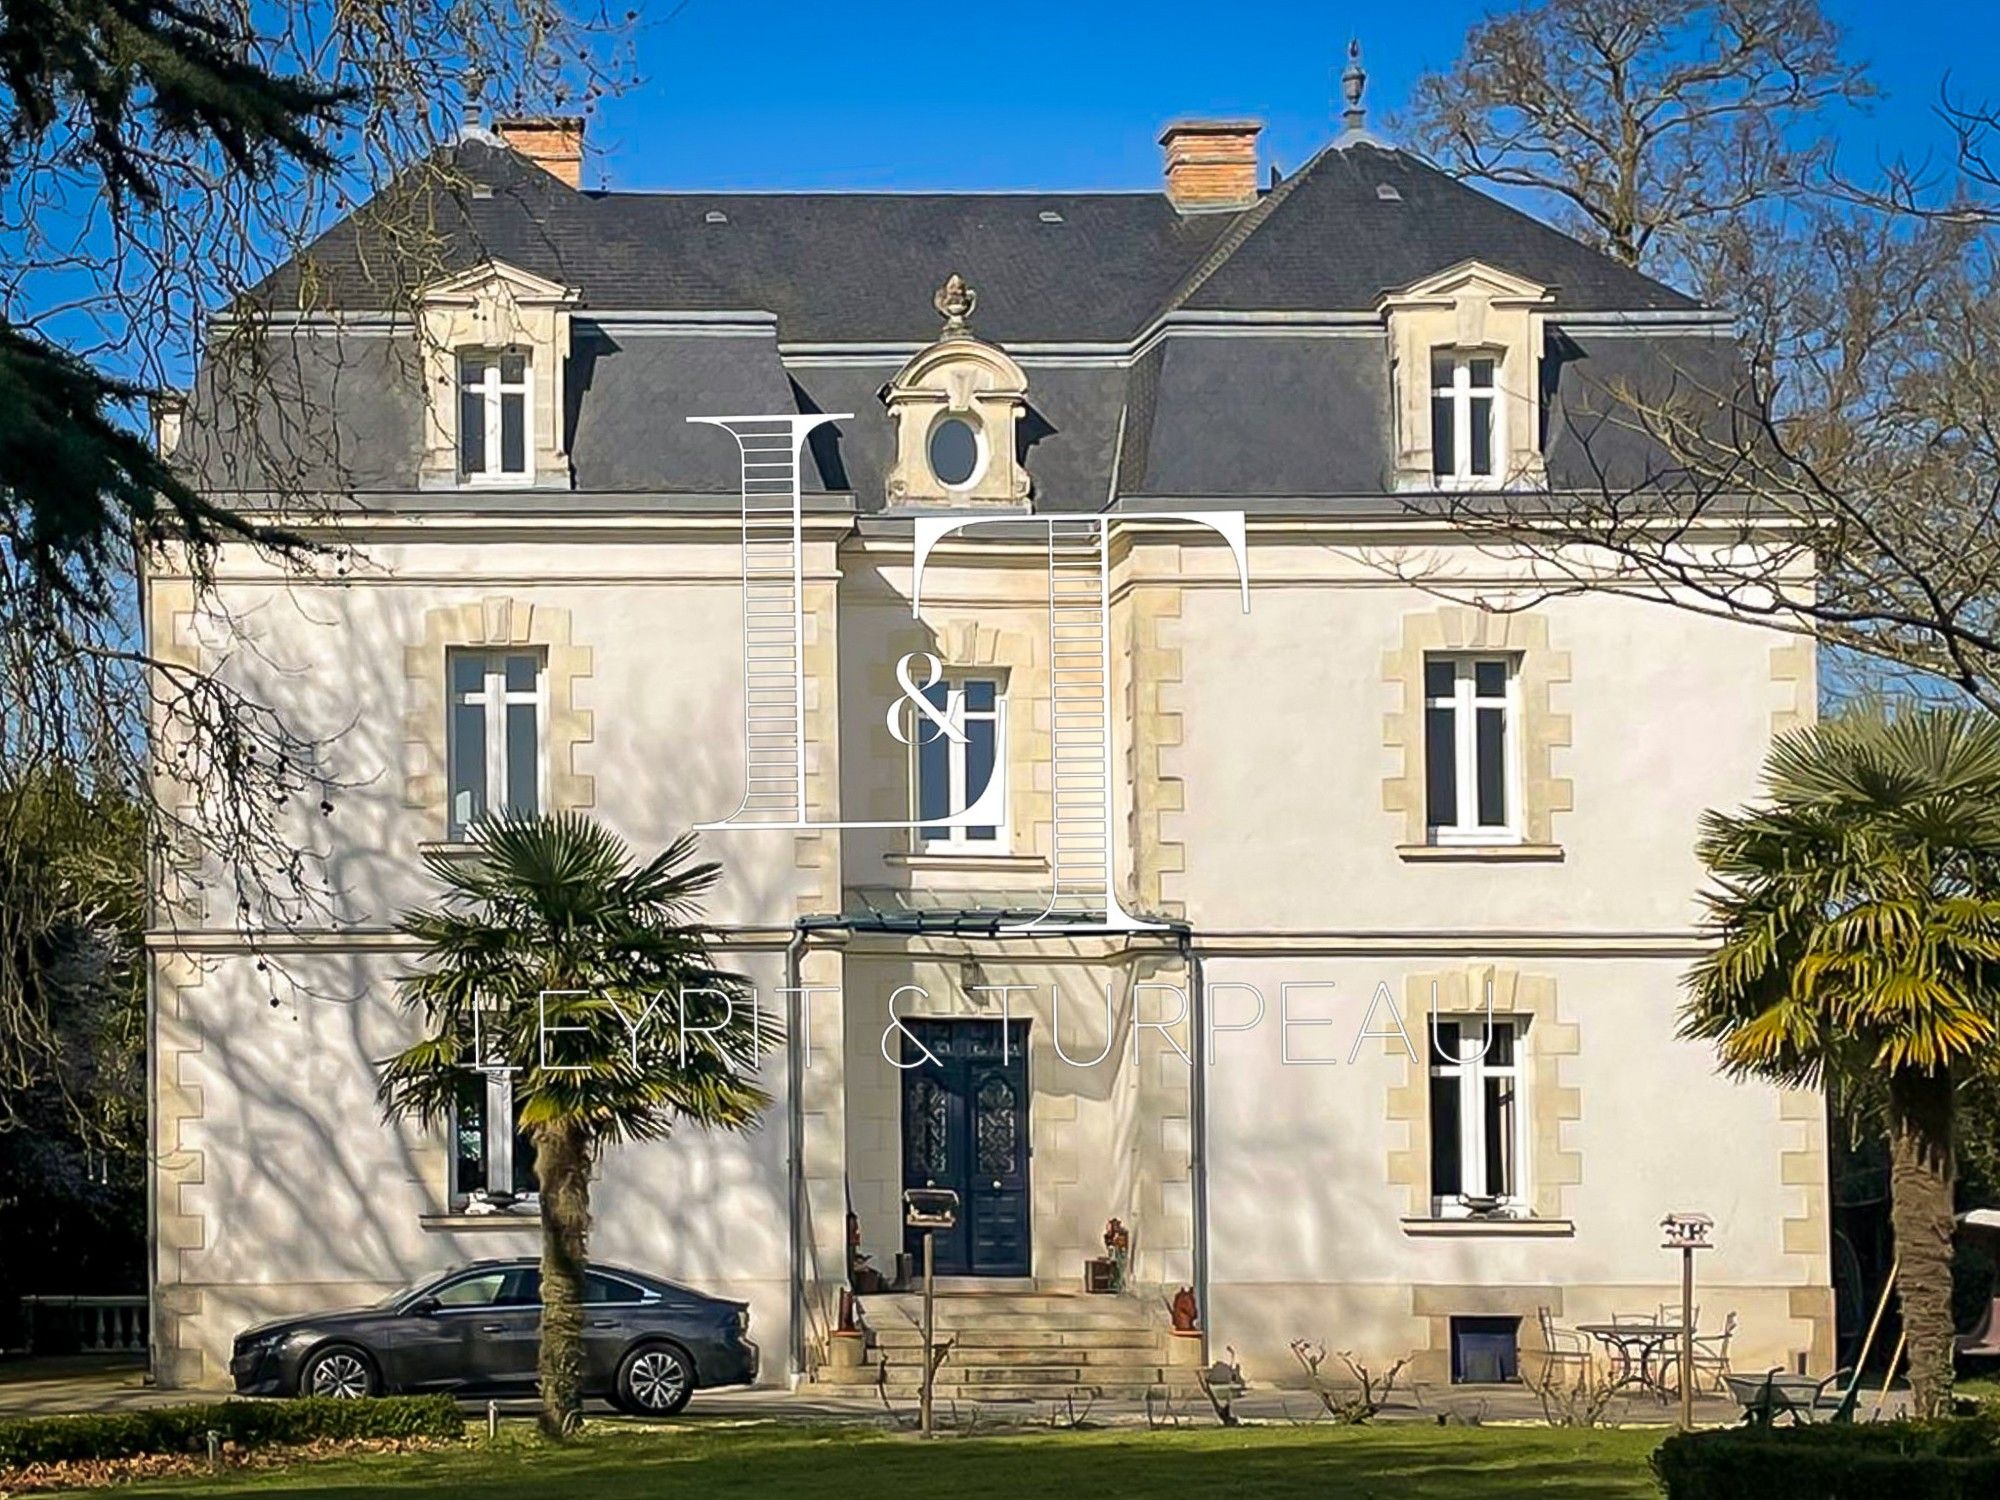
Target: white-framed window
{"x":491,"y":1156}
{"x":494,"y":735}
{"x":953,"y":773}
{"x":1467,"y":421}
{"x":1471,"y":719}
{"x":1478,"y":1124}
{"x":495,"y":410}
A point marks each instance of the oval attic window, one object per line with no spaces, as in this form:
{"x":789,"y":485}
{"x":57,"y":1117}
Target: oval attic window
{"x":954,"y":451}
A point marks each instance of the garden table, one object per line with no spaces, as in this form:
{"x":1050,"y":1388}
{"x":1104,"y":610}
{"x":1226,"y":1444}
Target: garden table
{"x":1636,"y":1346}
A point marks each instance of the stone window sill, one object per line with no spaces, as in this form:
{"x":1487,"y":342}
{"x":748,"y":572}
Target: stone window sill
{"x":456,"y":1223}
{"x":447,"y":848}
{"x":1501,"y":854}
{"x":1025,"y":864}
{"x":1504,"y":1228}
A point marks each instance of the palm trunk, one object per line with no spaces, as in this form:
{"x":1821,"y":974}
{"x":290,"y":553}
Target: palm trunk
{"x":1920,"y":1211}
{"x":562,"y":1171}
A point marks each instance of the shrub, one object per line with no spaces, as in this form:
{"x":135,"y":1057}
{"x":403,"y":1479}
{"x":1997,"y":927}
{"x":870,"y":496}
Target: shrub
{"x":1952,"y":1458}
{"x":247,"y":1424}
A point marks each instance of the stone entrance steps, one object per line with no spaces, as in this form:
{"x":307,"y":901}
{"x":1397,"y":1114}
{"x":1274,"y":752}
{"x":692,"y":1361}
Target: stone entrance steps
{"x":1015,"y":1346}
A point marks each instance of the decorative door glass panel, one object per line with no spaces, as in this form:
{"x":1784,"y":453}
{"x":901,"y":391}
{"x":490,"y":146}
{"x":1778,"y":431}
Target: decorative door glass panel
{"x":998,"y":1128}
{"x":927,"y":1122}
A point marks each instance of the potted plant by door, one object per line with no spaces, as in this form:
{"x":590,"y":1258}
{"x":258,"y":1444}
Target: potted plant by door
{"x":1184,"y":1341}
{"x":1118,"y":1250}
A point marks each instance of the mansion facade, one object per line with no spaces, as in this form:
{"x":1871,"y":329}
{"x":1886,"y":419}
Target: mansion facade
{"x":1144,"y":791}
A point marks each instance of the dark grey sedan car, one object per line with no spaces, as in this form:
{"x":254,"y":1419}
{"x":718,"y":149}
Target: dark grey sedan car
{"x":648,"y":1344}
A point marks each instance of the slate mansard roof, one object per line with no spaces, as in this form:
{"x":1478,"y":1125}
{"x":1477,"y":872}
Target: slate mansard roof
{"x":1202,"y":355}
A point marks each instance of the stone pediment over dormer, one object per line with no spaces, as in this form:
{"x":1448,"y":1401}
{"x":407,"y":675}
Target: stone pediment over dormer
{"x":956,"y":406}
{"x":1470,"y":290}
{"x":495,"y":307}
{"x":962,"y":368}
{"x":1470,"y":308}
{"x":498,"y":293}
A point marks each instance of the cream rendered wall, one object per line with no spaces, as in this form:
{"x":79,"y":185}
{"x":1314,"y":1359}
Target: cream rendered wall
{"x":279,"y":1187}
{"x":1283,"y":758}
{"x":1309,"y":1235}
{"x":1292,"y":872}
{"x":303,"y":1198}
{"x":662,"y":625}
{"x":1257,"y":751}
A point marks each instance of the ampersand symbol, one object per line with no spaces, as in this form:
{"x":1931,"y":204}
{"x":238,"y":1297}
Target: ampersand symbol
{"x":914,"y":695}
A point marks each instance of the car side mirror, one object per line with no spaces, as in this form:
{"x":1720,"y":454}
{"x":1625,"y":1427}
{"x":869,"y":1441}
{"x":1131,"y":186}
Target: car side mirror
{"x":423,"y":1307}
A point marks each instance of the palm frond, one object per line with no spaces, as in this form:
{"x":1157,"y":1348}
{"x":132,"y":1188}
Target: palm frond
{"x":1856,"y":915}
{"x":594,"y":980}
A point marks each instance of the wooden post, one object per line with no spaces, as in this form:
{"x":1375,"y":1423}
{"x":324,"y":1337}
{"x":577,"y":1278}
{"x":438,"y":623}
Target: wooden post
{"x":1687,"y":1233}
{"x":930,"y":1329}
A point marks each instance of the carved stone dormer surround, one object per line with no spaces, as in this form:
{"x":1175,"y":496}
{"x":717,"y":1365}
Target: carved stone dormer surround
{"x":491,"y":307}
{"x":960,"y":378}
{"x":1468,"y":308}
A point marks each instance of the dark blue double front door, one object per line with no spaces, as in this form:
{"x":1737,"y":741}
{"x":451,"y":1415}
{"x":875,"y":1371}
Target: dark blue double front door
{"x":965,"y":1127}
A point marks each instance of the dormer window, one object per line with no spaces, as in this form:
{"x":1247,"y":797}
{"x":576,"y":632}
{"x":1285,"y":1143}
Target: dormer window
{"x":1465,"y":417}
{"x":495,"y":406}
{"x":495,"y":342}
{"x":1465,"y":356}
{"x":956,"y":407}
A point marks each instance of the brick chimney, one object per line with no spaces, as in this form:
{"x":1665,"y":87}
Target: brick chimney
{"x":1211,"y":164}
{"x":552,"y":142}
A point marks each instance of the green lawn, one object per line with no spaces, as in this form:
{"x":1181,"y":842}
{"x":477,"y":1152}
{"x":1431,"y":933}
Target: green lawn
{"x":769,"y":1460}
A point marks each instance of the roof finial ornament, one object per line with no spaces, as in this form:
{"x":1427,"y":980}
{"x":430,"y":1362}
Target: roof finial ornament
{"x":1352,"y":83}
{"x":955,"y":302}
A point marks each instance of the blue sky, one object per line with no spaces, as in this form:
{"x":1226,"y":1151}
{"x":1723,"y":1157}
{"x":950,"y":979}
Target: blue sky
{"x":1042,"y":94}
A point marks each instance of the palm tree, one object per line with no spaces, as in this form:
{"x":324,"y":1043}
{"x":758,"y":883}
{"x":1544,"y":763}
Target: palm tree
{"x":594,"y":984}
{"x":1858,"y":918}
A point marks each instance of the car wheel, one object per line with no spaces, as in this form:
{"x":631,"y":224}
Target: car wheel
{"x":655,"y":1380}
{"x":339,"y":1372}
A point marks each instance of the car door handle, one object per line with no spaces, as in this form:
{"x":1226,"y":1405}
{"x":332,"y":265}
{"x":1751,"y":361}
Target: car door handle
{"x":603,"y":1322}
{"x":492,"y":1327}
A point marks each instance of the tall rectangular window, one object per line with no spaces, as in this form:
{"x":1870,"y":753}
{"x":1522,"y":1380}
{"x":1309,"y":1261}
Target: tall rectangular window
{"x":490,"y":1153}
{"x":495,"y":399}
{"x":494,"y":735}
{"x":1475,"y":1115}
{"x":1465,"y":417}
{"x":1469,"y":751}
{"x":955,"y":773}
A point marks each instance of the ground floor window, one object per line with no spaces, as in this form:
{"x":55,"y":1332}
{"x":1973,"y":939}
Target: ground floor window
{"x":1475,"y":1115}
{"x":491,"y":1156}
